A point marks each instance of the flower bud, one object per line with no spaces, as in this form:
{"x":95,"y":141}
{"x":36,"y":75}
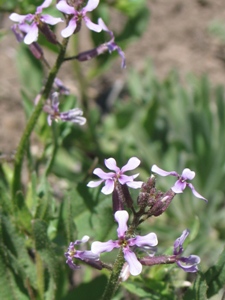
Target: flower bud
{"x":49,"y":34}
{"x":121,"y":196}
{"x":162,"y":203}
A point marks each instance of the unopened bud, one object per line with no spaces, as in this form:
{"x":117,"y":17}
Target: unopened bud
{"x":121,"y":196}
{"x":36,"y":50}
{"x":157,"y":260}
{"x":162,"y":203}
{"x":147,"y":193}
{"x":49,"y":34}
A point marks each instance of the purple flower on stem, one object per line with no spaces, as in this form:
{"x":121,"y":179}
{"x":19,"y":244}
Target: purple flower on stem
{"x":29,"y":23}
{"x":117,"y":175}
{"x":87,"y":256}
{"x":72,"y":115}
{"x":188,"y":264}
{"x":181,"y":183}
{"x":127,"y":244}
{"x":111,"y":45}
{"x":77,"y":16}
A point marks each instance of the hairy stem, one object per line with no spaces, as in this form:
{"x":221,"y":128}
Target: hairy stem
{"x":16,"y":185}
{"x":114,"y":280}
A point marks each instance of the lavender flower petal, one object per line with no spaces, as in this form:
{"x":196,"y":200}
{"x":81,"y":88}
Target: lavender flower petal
{"x":132,"y":164}
{"x":91,"y":25}
{"x":50,"y":20}
{"x":65,"y":8}
{"x":45,"y":4}
{"x":195,"y":193}
{"x":32,"y":34}
{"x":188,"y":174}
{"x":161,"y":172}
{"x":103,"y":175}
{"x":121,"y":216}
{"x":179,"y":186}
{"x":91,"y":5}
{"x":94,"y":183}
{"x":17,"y":18}
{"x":189,"y":264}
{"x":99,"y":247}
{"x":111,"y":164}
{"x":109,"y":187}
{"x":146,"y":240}
{"x":135,"y":184}
{"x":134,"y":264}
{"x":69,"y":30}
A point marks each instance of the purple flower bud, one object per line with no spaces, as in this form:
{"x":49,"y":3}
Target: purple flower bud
{"x":72,"y":115}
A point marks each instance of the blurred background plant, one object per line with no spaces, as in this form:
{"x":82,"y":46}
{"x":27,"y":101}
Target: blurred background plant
{"x":164,"y":122}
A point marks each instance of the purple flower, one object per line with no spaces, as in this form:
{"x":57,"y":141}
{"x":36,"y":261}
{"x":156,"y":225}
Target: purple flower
{"x":117,"y":175}
{"x":181,"y":183}
{"x":87,"y":256}
{"x":72,"y":115}
{"x":111,"y":45}
{"x":77,"y":16}
{"x":59,"y":85}
{"x":29,"y":23}
{"x":127,"y":244}
{"x":188,"y":264}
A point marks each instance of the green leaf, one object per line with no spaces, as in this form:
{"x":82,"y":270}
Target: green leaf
{"x":15,"y":261}
{"x":215,"y":276}
{"x":199,"y":289}
{"x":93,"y":213}
{"x":48,"y":256}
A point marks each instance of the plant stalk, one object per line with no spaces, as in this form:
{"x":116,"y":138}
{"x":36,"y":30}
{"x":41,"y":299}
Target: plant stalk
{"x":114,"y":280}
{"x":16,"y":184}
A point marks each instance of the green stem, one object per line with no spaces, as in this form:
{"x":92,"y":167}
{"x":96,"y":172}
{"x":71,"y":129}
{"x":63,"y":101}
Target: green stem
{"x":81,"y":80}
{"x":114,"y":280}
{"x":54,"y":151}
{"x":16,"y":185}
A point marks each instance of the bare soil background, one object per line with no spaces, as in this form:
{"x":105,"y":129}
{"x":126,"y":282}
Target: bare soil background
{"x":177,"y":38}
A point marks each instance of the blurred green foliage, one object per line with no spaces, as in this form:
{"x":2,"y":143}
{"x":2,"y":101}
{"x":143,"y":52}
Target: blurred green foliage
{"x":167,"y":123}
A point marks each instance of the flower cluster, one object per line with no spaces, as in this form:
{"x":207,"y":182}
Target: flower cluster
{"x":181,"y":183}
{"x":77,"y":16}
{"x":30,"y":23}
{"x":127,"y":244}
{"x":118,"y":175}
{"x":150,"y":202}
{"x":73,"y":115}
{"x":28,"y":26}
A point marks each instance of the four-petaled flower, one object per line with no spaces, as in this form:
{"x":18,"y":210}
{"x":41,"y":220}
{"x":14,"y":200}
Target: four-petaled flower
{"x":181,"y":183}
{"x":127,"y":244}
{"x":87,"y":255}
{"x":188,"y":264}
{"x":29,"y":23}
{"x":77,"y":16}
{"x":111,"y":45}
{"x":72,"y":115}
{"x":117,"y":175}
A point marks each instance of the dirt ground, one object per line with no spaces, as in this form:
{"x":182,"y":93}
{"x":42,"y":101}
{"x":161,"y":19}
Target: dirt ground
{"x":177,"y":37}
